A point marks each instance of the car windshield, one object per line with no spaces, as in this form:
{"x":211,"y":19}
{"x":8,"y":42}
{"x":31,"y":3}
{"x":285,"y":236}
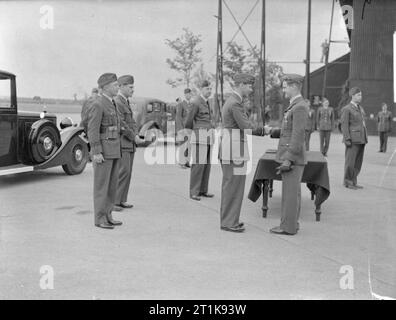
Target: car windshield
{"x":5,"y":98}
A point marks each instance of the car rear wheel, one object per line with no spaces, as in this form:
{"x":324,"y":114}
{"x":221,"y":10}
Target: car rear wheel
{"x":78,"y":157}
{"x":44,"y":140}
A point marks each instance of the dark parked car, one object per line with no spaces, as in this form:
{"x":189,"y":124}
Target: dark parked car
{"x":151,"y":115}
{"x":31,"y":141}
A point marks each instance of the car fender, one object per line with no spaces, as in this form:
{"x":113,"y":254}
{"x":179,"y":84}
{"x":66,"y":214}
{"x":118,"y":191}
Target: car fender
{"x":62,"y":155}
{"x":147,"y":126}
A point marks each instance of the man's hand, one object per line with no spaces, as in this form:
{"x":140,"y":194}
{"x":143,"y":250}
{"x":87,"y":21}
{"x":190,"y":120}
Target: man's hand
{"x":284,"y":167}
{"x":348,"y":143}
{"x":98,"y":158}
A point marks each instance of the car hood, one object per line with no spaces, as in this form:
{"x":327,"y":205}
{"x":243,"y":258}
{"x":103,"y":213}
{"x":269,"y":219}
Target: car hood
{"x":34,"y":114}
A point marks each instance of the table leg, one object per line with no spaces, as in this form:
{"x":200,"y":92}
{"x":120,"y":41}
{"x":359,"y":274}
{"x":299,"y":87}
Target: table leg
{"x":271,"y":187}
{"x":318,"y":211}
{"x":266,"y":186}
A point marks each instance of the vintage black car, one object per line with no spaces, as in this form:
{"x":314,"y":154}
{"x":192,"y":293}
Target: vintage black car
{"x":31,"y":141}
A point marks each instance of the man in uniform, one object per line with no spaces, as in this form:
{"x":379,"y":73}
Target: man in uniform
{"x":234,"y":152}
{"x":384,"y":119}
{"x":85,"y":108}
{"x":291,"y":154}
{"x":310,"y":125}
{"x":354,"y":133}
{"x":182,"y":109}
{"x":104,"y":137}
{"x":129,"y":138}
{"x":325,"y":121}
{"x":199,"y":119}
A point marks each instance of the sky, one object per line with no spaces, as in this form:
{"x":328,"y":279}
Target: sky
{"x":89,"y":38}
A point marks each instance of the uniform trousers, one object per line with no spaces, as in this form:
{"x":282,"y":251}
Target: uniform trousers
{"x":232,"y":191}
{"x":324,"y":137}
{"x":291,"y":199}
{"x":353,"y":163}
{"x":307,"y":138}
{"x":105,"y":188}
{"x":383,"y":135}
{"x":200,"y":168}
{"x":125,"y":174}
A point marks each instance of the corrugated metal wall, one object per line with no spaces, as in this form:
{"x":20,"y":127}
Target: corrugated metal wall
{"x":371,"y":65}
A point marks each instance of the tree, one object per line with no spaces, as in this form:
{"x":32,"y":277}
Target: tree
{"x":187,"y":56}
{"x":199,"y":75}
{"x":234,"y":61}
{"x":237,"y":59}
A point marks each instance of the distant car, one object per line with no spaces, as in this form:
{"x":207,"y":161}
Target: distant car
{"x":31,"y":141}
{"x":151,"y":115}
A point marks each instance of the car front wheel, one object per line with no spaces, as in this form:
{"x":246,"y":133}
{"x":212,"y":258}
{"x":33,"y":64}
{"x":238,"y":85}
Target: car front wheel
{"x":78,"y":157}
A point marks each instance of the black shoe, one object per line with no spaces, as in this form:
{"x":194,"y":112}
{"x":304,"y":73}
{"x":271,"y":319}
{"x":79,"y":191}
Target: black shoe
{"x":278,"y":230}
{"x":125,"y":205}
{"x":240,"y":224}
{"x":350,"y":186}
{"x":233,"y":229}
{"x":357,"y":186}
{"x":104,"y":225}
{"x":206,"y":195}
{"x":115,"y":223}
{"x":117,"y":208}
{"x":195,"y":198}
{"x":183,"y":166}
{"x":188,"y":165}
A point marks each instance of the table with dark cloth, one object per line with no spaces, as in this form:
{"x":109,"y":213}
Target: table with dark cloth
{"x":315,"y":175}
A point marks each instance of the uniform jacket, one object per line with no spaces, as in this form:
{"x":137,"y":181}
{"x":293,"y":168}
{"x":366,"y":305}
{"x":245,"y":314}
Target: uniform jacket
{"x":104,"y":128}
{"x":325,"y":118}
{"x":352,"y":124}
{"x":292,"y":133}
{"x":85,"y":112}
{"x":311,"y":120}
{"x":384,"y":120}
{"x":128,"y":123}
{"x":182,"y":109}
{"x":199,"y":119}
{"x":236,"y":126}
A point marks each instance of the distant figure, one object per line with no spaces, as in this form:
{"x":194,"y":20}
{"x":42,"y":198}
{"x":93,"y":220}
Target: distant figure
{"x":85,"y":108}
{"x":325,"y":51}
{"x":325,"y":121}
{"x":384,"y":120}
{"x":354,"y":133}
{"x":310,"y":124}
{"x":182,"y":109}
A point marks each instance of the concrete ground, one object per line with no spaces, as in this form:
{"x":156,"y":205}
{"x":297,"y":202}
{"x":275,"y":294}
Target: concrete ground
{"x":171,"y":247}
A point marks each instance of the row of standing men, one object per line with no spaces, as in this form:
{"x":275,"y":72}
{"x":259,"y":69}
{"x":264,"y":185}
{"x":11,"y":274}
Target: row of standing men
{"x":110,"y":121}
